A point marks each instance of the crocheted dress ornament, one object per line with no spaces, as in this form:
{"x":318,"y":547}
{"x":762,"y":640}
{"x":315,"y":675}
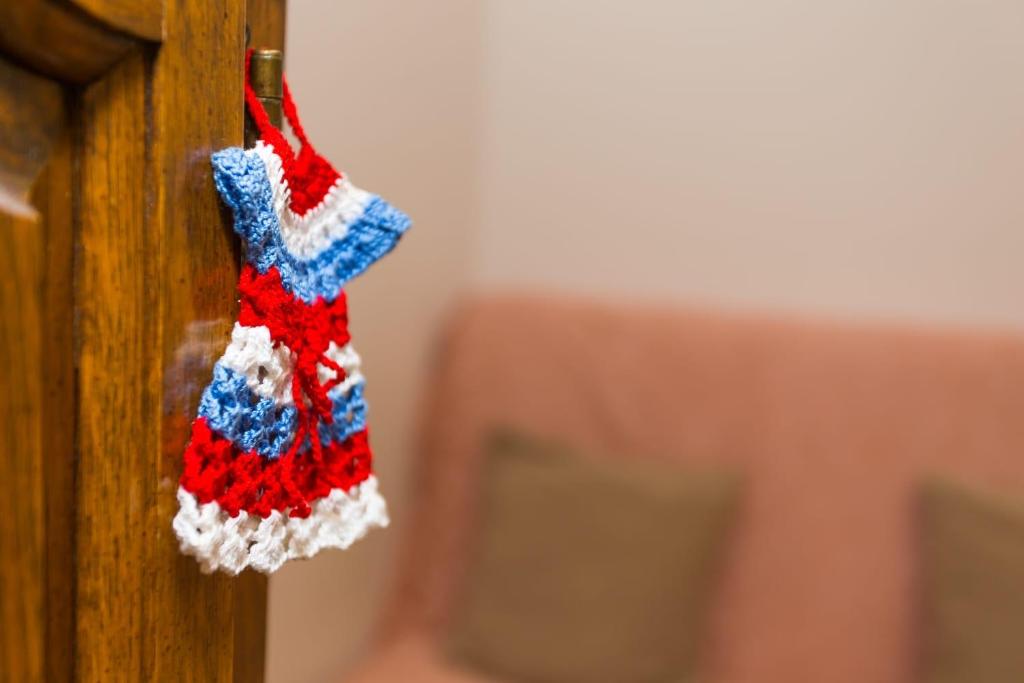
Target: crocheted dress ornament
{"x":279,"y":465}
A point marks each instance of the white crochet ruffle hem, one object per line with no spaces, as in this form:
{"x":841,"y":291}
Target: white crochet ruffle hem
{"x":219,"y":541}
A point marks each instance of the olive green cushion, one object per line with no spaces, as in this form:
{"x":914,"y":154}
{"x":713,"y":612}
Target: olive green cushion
{"x":973,"y":583}
{"x":589,"y":569}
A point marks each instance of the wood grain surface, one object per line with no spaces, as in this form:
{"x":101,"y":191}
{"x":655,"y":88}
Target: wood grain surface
{"x":22,"y":507}
{"x":156,"y":290}
{"x":37,"y":429}
{"x":53,"y":197}
{"x":139,"y":18}
{"x":60,"y":40}
{"x":31,"y":117}
{"x":119,"y":296}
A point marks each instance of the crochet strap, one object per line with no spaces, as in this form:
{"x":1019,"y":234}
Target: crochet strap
{"x":268,"y":131}
{"x":292,"y":114}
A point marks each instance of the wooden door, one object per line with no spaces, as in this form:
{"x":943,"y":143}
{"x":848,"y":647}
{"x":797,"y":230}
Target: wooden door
{"x":117,"y":277}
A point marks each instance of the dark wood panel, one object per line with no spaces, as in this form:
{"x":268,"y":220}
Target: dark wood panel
{"x":118,"y":286}
{"x":266,"y":20}
{"x":59,"y":40}
{"x":53,"y":197}
{"x":37,"y":432}
{"x":198,"y":74}
{"x":118,"y":297}
{"x":250,"y":627}
{"x":156,"y":298}
{"x":31,"y":117}
{"x":140,"y":18}
{"x":22,"y":527}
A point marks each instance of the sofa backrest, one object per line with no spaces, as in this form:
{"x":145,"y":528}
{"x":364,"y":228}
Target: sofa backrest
{"x":833,"y":425}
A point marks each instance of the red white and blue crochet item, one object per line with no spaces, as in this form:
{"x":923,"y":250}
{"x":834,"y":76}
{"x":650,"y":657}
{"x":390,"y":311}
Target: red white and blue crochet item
{"x":279,"y":465}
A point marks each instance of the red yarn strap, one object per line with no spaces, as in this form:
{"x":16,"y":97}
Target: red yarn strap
{"x":310,"y":177}
{"x":292,"y":114}
{"x":259,"y":113}
{"x":268,"y":131}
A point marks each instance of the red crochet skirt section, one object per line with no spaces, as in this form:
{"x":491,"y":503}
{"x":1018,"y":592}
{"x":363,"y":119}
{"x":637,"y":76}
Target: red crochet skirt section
{"x":216,"y":470}
{"x":291,"y":321}
{"x":310,"y":177}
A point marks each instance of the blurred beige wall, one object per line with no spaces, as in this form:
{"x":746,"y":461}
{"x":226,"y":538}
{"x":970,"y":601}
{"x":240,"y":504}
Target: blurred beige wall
{"x":859,"y":156}
{"x":851,"y":157}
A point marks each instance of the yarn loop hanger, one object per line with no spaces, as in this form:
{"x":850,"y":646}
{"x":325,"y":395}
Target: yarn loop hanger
{"x":268,"y":131}
{"x":310,"y":177}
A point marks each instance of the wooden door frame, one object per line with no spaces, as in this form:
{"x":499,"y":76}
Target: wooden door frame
{"x":119,"y":292}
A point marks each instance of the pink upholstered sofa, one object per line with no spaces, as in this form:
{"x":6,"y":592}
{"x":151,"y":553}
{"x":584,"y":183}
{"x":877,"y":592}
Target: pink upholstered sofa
{"x":833,"y":424}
